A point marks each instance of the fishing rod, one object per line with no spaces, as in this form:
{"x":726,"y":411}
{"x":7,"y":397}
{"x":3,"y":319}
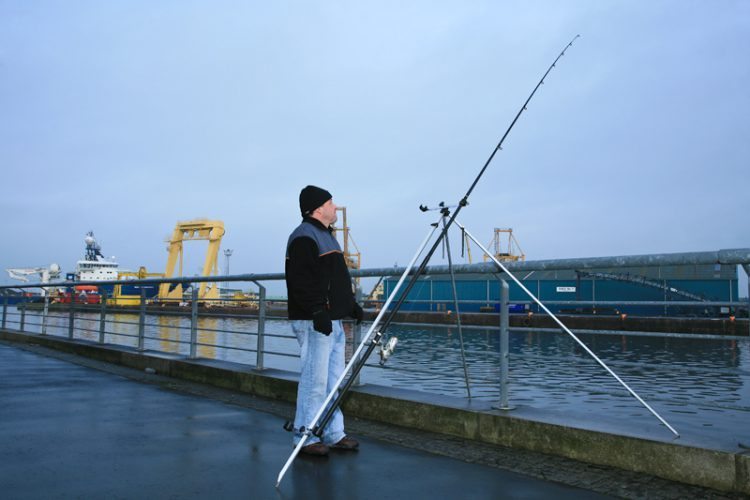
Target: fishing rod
{"x":446,"y":212}
{"x":319,"y":422}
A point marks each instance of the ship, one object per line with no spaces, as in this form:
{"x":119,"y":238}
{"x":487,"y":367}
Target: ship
{"x":95,"y":267}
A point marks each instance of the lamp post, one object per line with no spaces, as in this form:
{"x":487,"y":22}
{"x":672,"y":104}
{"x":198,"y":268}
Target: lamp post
{"x":227,"y":253}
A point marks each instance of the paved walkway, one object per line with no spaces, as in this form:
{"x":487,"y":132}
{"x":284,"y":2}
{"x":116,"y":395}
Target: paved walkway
{"x":68,"y":430}
{"x":72,"y":426}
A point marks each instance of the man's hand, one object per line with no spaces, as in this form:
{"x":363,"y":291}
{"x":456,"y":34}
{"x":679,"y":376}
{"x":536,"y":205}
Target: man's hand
{"x":322,"y":322}
{"x":358,"y":313}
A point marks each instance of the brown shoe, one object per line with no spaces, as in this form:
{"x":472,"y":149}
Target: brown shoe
{"x":347,"y":443}
{"x":315,"y":449}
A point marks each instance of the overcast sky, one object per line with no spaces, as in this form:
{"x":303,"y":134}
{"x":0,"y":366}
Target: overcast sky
{"x":124,"y":117}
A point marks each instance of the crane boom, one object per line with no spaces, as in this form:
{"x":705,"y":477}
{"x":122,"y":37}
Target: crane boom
{"x":45,"y":273}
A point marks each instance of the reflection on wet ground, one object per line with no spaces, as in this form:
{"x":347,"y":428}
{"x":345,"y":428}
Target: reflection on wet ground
{"x":702,"y":385}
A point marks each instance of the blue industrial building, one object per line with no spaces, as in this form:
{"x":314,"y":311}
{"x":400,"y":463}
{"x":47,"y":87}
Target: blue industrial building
{"x":665,"y":284}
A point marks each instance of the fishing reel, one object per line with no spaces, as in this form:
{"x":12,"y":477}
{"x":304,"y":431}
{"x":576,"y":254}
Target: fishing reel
{"x":289,"y":427}
{"x":316,"y":431}
{"x":387,"y":350}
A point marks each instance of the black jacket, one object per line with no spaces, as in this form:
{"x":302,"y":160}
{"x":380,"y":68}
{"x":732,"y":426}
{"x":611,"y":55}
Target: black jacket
{"x":316,"y":274}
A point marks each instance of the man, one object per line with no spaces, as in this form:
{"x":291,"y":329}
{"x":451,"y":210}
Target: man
{"x":320,"y":295}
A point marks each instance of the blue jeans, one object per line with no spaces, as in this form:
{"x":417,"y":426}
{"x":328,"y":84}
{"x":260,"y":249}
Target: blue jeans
{"x":322,"y":364}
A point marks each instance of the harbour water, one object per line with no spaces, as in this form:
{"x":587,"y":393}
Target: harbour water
{"x":700,"y":385}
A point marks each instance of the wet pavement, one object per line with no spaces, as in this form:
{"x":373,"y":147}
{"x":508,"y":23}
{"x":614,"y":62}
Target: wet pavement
{"x":76,"y":428}
{"x":71,"y":431}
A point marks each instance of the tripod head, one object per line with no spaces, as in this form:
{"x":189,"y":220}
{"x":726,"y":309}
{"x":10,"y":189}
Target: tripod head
{"x":444,"y":209}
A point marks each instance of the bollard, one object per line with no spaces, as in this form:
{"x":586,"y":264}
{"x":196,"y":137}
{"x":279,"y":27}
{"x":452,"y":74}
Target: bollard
{"x":102,"y":314}
{"x":71,"y":313}
{"x":504,"y":350}
{"x":142,"y":321}
{"x":261,"y":344}
{"x":194,"y":323}
{"x":357,"y":334}
{"x":23,"y":315}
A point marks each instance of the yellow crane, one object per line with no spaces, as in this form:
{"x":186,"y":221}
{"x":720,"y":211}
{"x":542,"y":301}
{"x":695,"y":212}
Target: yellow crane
{"x":198,"y":229}
{"x":467,"y":245}
{"x":505,"y":249}
{"x":352,"y":258}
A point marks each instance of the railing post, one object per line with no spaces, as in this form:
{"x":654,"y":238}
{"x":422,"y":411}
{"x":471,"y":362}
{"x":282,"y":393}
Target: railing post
{"x":45,"y":312}
{"x":72,"y":312}
{"x":23,"y":315}
{"x":194,"y":322}
{"x":504,"y":345}
{"x":142,"y":321}
{"x":102,"y":313}
{"x":261,"y":345}
{"x":746,"y":267}
{"x":357,"y":333}
{"x":5,"y":310}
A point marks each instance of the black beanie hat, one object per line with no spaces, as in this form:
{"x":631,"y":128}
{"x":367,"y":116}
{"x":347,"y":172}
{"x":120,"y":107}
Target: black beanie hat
{"x":311,"y":197}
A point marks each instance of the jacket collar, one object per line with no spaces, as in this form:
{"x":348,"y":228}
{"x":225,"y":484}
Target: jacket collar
{"x":316,"y":223}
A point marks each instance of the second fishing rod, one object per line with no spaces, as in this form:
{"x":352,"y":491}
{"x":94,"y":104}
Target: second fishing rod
{"x":451,"y":217}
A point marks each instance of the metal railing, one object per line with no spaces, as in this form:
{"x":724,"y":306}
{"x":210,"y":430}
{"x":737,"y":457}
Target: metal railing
{"x":102,"y":322}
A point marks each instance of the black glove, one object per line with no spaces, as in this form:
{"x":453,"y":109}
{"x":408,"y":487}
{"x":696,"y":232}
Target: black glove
{"x":322,"y":322}
{"x":358,"y":313}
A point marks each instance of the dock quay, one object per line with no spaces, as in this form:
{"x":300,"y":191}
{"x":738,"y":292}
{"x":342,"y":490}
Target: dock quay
{"x":709,"y":326}
{"x":407,"y":436}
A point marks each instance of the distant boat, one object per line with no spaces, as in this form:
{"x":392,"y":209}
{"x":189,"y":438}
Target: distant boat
{"x":94,"y":266}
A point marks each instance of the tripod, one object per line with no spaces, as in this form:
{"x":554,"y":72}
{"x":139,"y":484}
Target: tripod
{"x":374,"y":336}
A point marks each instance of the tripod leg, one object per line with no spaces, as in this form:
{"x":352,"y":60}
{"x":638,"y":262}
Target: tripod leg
{"x":567,"y":330}
{"x":458,"y":313}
